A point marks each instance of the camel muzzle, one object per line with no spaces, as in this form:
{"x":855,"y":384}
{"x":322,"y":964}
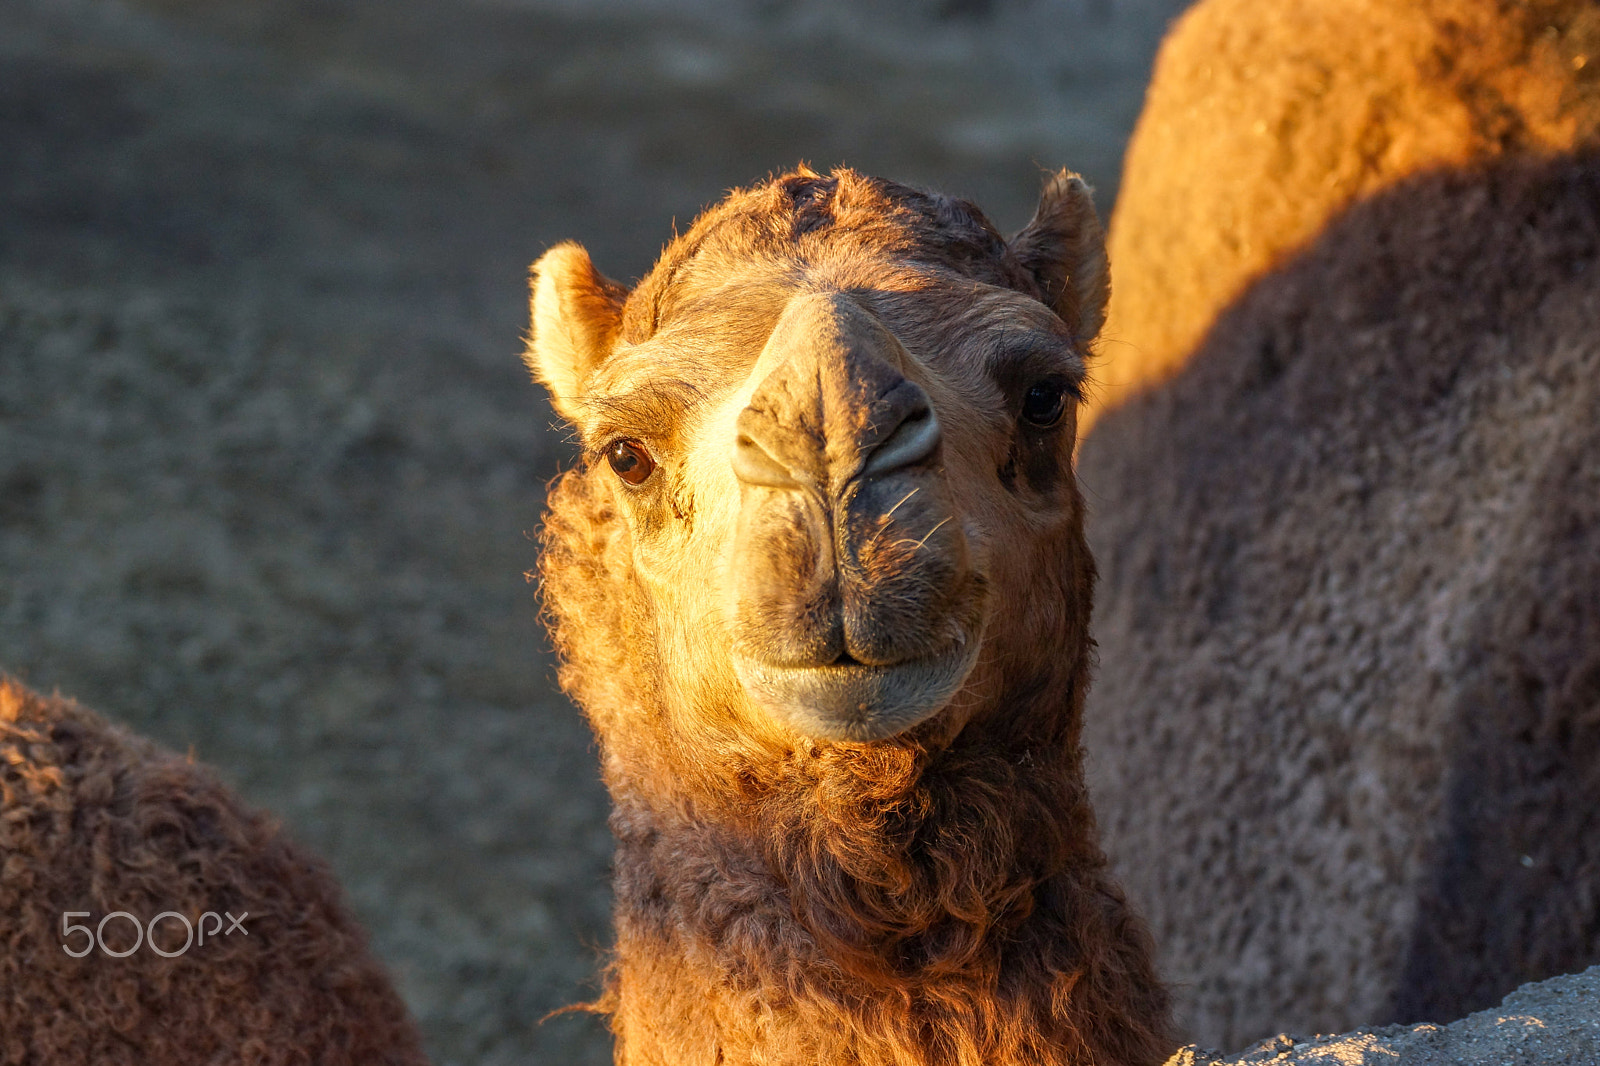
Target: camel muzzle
{"x":854,"y":612}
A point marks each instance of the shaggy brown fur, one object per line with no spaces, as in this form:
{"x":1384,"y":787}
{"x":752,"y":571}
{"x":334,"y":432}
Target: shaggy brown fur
{"x":932,"y":897}
{"x":95,"y":819}
{"x":1264,"y":120}
{"x":1348,"y":722}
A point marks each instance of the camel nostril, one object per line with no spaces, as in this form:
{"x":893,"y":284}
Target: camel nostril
{"x":754,"y":465}
{"x":912,"y":441}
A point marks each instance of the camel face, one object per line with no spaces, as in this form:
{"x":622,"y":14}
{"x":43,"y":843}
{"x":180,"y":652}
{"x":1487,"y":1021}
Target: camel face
{"x":822,"y":589}
{"x":840,"y":452}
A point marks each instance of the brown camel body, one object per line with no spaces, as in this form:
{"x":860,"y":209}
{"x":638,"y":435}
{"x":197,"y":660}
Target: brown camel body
{"x":821,"y":587}
{"x":94,"y":820}
{"x":1264,"y":120}
{"x":1351,"y":550}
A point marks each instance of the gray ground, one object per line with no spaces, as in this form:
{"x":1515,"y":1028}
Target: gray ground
{"x":268,"y":461}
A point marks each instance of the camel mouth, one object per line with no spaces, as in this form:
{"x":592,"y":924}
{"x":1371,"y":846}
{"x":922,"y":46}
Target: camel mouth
{"x":854,"y":701}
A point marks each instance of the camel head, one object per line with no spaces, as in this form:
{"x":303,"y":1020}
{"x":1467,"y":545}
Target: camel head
{"x":828,"y":485}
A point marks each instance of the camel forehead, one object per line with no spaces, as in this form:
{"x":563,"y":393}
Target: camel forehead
{"x":858,"y":230}
{"x":950,"y":325}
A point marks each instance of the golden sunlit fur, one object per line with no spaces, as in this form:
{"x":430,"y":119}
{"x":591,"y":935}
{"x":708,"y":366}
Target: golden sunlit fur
{"x":933,"y":894}
{"x":1264,"y":121}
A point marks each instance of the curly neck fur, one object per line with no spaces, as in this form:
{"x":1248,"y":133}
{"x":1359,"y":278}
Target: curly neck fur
{"x":932,"y":900}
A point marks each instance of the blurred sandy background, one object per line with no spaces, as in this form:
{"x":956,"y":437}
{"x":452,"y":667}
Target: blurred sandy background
{"x":269,"y":463}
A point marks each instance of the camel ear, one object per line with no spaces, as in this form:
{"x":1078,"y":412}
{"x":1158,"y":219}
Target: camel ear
{"x":1065,"y":249}
{"x":577,"y":313}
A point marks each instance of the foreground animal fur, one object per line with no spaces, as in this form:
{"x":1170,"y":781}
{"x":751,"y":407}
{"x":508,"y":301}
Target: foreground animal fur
{"x":95,"y":819}
{"x":828,"y":449}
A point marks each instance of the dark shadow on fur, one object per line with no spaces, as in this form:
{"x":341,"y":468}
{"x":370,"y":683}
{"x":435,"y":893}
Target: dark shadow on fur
{"x":1513,"y":894}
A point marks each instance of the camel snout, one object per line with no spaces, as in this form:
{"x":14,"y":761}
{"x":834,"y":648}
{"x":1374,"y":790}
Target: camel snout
{"x":833,"y":402}
{"x":913,"y":438}
{"x":853,"y":602}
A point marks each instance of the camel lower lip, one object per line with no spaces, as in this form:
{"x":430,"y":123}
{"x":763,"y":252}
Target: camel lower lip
{"x":856,"y":701}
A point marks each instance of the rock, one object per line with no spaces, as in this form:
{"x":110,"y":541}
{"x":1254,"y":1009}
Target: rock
{"x":1554,"y":1021}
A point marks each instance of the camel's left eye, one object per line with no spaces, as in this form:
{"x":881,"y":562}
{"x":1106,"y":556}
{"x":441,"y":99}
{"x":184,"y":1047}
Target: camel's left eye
{"x":1044,"y":403}
{"x":630,"y":461}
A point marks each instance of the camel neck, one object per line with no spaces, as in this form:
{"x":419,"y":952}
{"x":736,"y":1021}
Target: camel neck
{"x":958,"y":892}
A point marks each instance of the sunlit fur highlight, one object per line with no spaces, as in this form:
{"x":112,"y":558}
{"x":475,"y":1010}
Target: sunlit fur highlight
{"x":1264,"y":121}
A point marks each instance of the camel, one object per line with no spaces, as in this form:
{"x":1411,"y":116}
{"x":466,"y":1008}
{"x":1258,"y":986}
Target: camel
{"x":1349,"y":544}
{"x":244,"y":953}
{"x":1264,"y":120}
{"x":821,"y":587}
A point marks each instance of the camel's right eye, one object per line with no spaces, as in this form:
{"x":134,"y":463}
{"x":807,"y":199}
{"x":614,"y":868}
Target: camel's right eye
{"x":630,"y":461}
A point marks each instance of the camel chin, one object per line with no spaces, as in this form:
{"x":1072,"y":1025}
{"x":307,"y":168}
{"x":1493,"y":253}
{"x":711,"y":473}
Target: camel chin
{"x":858,"y":702}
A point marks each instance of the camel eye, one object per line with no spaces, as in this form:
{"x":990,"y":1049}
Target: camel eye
{"x":1043,"y":404}
{"x":630,"y":461}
